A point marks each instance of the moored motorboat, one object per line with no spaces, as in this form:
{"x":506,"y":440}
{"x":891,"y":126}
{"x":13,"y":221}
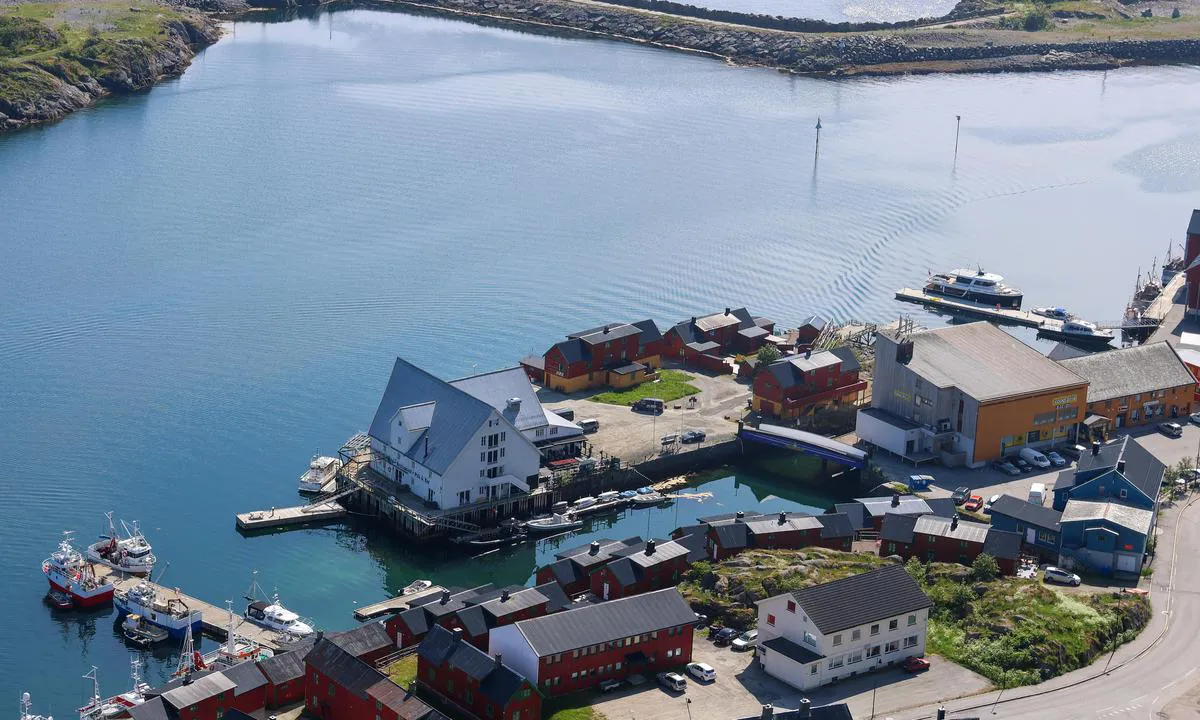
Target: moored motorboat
{"x":1079,"y":332}
{"x":510,"y":532}
{"x":321,"y":470}
{"x":629,"y":494}
{"x":68,"y":573}
{"x":141,"y":633}
{"x":416,"y":586}
{"x":608,"y":496}
{"x":651,"y":498}
{"x":235,"y":650}
{"x":584,"y":502}
{"x":170,"y":613}
{"x":645,"y":490}
{"x":975,"y":286}
{"x":272,"y":614}
{"x":131,"y":554}
{"x":553,"y":523}
{"x":1054,"y":313}
{"x":59,"y":600}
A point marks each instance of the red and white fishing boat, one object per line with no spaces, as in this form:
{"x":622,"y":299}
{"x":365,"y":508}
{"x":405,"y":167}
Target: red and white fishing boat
{"x":69,"y":573}
{"x":116,"y":706}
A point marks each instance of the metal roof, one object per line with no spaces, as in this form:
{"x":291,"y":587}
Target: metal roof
{"x":623,"y":571}
{"x":650,"y":331}
{"x":835,"y":525}
{"x":496,"y":388}
{"x":629,"y":368}
{"x":985,"y":363}
{"x":898,"y":528}
{"x":1002,"y":544}
{"x":395,"y":698}
{"x":1136,"y":370}
{"x":1141,"y":468}
{"x":198,"y":691}
{"x":1126,"y":516}
{"x":905,"y":505}
{"x":518,"y":599}
{"x":362,"y":640}
{"x":712,"y":322}
{"x":152,"y":709}
{"x":609,"y":620}
{"x":703,"y":347}
{"x":855,"y":512}
{"x":456,"y":417}
{"x":731,"y":534}
{"x":606,"y":333}
{"x":791,"y":523}
{"x":342,"y":668}
{"x":246,"y":676}
{"x":284,"y":667}
{"x":498,"y":682}
{"x":1027,"y":512}
{"x":573,"y":350}
{"x":664,"y":550}
{"x":861,"y":599}
{"x":946,"y":527}
{"x":792,"y":651}
{"x":1065,"y":351}
{"x":556,"y":599}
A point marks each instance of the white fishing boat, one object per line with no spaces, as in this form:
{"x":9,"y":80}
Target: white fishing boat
{"x":117,"y":706}
{"x":272,"y":615}
{"x":170,"y":613}
{"x":416,"y":586}
{"x":553,"y":523}
{"x":1081,"y":333}
{"x":68,"y":573}
{"x":650,"y":498}
{"x":583,"y":502}
{"x":26,"y":704}
{"x":321,"y":471}
{"x":131,"y":553}
{"x":975,"y":286}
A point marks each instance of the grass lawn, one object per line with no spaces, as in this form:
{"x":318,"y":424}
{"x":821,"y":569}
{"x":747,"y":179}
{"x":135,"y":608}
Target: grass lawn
{"x":403,"y":671}
{"x":671,"y":385}
{"x":570,"y":708}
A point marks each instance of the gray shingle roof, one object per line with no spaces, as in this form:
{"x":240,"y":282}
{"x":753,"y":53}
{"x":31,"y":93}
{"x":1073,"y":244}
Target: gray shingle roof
{"x":497,"y":387}
{"x":362,"y":640}
{"x":898,"y":528}
{"x":790,"y":370}
{"x":942,"y":507}
{"x":861,"y":599}
{"x":456,"y":416}
{"x":1141,"y":468}
{"x":793,"y":522}
{"x":835,"y":525}
{"x":685,"y":331}
{"x":398,"y":700}
{"x":246,"y":676}
{"x":985,"y":362}
{"x":342,"y":668}
{"x":610,"y":620}
{"x":708,"y":323}
{"x":792,"y":651}
{"x":152,"y":709}
{"x":1126,"y":516}
{"x":855,"y":512}
{"x":615,"y":331}
{"x":498,"y":682}
{"x":1002,"y":544}
{"x":623,"y":571}
{"x":556,"y":599}
{"x":198,"y":691}
{"x":518,"y":599}
{"x":1027,"y":512}
{"x":906,"y":505}
{"x":284,"y":667}
{"x":731,"y":535}
{"x":1139,"y":369}
{"x":694,"y":542}
{"x":972,"y":532}
{"x":573,"y":350}
{"x":650,"y":331}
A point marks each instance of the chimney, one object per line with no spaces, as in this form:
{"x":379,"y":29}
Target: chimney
{"x":445,"y":597}
{"x":941,"y":713}
{"x":605,"y":329}
{"x":805,"y":709}
{"x":895,"y":499}
{"x":498,"y":661}
{"x":782,"y":517}
{"x":504,"y":596}
{"x":1095,"y":447}
{"x":650,"y":547}
{"x":741,"y":515}
{"x":595,"y":548}
{"x":726,"y":311}
{"x":1121,"y":466}
{"x":514,"y":403}
{"x":808,"y":353}
{"x":457,"y":634}
{"x":954,"y":522}
{"x":768,"y":712}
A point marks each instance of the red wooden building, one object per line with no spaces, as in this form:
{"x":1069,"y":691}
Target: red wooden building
{"x":572,"y":569}
{"x":339,"y":686}
{"x":729,"y":534}
{"x":199,"y":697}
{"x":474,"y":683}
{"x":285,"y":677}
{"x":250,"y":687}
{"x":619,"y":354}
{"x":642,"y":568}
{"x":950,"y":540}
{"x":717,"y":335}
{"x":576,"y":649}
{"x":476,"y":620}
{"x":799,"y":385}
{"x":367,"y":642}
{"x":407,"y":628}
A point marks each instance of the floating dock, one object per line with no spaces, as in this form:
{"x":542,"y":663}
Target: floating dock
{"x":1015,"y":317}
{"x":401,"y":602}
{"x":214,"y":620}
{"x":320,"y":512}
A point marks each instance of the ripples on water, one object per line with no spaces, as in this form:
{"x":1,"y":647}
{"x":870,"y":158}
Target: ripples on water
{"x":205,"y":284}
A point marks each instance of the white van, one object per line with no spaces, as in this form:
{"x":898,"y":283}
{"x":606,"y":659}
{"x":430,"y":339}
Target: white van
{"x":1035,"y":458}
{"x":1037,"y":493}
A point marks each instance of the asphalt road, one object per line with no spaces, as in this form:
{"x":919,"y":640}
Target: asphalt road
{"x":1157,"y":676}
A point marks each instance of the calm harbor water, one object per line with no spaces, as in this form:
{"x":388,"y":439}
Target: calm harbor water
{"x":204,"y":284}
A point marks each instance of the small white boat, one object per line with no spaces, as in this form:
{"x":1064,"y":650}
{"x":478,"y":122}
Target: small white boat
{"x":553,"y":523}
{"x":583,"y":502}
{"x":1055,"y":313}
{"x":650,"y":498}
{"x":608,"y":496}
{"x":235,"y":650}
{"x":273,"y":615}
{"x":416,"y":586}
{"x":320,"y":472}
{"x":131,"y":554}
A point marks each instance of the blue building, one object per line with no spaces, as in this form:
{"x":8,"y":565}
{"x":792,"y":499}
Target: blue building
{"x":1105,"y":537}
{"x":1121,"y":471}
{"x":1038,"y":526}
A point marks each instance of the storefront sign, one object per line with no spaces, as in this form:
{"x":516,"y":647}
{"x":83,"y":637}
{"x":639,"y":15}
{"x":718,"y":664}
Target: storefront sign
{"x":1065,"y":400}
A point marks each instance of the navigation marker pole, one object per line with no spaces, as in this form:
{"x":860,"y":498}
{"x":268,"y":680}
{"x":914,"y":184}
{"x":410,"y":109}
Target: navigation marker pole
{"x":957,"y":127}
{"x":817,"y":147}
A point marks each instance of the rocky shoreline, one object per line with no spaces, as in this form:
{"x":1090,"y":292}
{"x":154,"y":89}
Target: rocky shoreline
{"x":48,"y":88}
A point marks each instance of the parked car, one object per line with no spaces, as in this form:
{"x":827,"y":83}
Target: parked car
{"x":670,"y":439}
{"x":650,"y":405}
{"x":723,"y":636}
{"x":1034,"y":458}
{"x":590,"y":425}
{"x":1020,"y":462}
{"x":610,"y":684}
{"x":1170,"y":429}
{"x":919,"y":482}
{"x":1055,"y":459}
{"x":1005,"y":467}
{"x":959,"y":496}
{"x":702,"y":671}
{"x":692,"y":436}
{"x":1058,"y":575}
{"x":1073,"y":452}
{"x":1194,"y":418}
{"x":745,"y":641}
{"x":701,"y":620}
{"x":987,"y":506}
{"x":914,"y":664}
{"x":672,"y":681}
{"x":974,"y":503}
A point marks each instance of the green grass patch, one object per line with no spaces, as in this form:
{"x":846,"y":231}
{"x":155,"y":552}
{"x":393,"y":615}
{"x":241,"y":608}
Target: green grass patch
{"x":403,"y":671}
{"x":572,"y":707}
{"x":670,"y":385}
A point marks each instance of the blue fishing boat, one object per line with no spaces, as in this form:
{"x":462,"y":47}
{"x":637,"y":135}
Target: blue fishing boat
{"x":170,"y":614}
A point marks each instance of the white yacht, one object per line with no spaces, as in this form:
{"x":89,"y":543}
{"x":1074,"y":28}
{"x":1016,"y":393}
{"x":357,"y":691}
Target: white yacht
{"x":553,"y":523}
{"x":320,"y":472}
{"x":975,"y":286}
{"x":1080,"y":333}
{"x":274,"y":616}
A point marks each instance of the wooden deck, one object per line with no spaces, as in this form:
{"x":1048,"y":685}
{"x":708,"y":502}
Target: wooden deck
{"x":215,"y":620}
{"x":401,"y":602}
{"x":1016,"y":317}
{"x":318,"y":513}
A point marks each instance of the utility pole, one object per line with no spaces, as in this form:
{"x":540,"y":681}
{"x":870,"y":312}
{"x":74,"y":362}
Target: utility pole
{"x":874,"y":685}
{"x":957,"y":128}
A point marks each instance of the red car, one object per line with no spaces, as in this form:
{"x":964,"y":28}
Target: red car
{"x":914,"y":664}
{"x":974,"y":503}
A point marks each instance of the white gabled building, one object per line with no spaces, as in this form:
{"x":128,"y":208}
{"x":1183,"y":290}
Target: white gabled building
{"x":445,"y":444}
{"x":842,"y":628}
{"x":509,"y":391}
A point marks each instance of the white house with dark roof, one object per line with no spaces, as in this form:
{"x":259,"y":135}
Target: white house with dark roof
{"x":509,"y":391}
{"x":839,"y":629}
{"x":446,"y":445}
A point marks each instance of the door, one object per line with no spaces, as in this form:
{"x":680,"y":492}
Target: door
{"x":1127,"y":563}
{"x":1030,"y":535}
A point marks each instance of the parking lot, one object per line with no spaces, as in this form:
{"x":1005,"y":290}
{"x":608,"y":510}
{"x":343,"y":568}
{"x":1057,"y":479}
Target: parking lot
{"x":742,"y":688}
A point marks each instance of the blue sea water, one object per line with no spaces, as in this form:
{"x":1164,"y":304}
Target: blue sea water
{"x":203,"y":284}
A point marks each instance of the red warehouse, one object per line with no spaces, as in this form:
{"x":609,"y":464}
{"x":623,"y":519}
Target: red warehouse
{"x":729,"y":534}
{"x":617,"y":354}
{"x":285,"y":677}
{"x":368,"y":642}
{"x":476,"y":621}
{"x":250,"y":687}
{"x":948,"y":540}
{"x":199,"y":697}
{"x":868,"y":513}
{"x":727,"y":333}
{"x":572,"y":569}
{"x":465,"y":677}
{"x":339,"y":686}
{"x":650,"y":566}
{"x":408,"y":627}
{"x":576,"y":649}
{"x":798,"y":386}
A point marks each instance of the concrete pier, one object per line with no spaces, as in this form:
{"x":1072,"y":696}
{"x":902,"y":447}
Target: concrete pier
{"x":400,"y":602}
{"x":318,"y":513}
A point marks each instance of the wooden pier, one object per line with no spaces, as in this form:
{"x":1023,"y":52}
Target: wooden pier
{"x":214,"y":620}
{"x":1015,"y":317}
{"x":400,"y":602}
{"x":312,"y":514}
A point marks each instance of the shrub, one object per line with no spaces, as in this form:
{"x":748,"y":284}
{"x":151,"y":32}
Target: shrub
{"x":1036,"y":21}
{"x":768,"y":354}
{"x":985,"y":568}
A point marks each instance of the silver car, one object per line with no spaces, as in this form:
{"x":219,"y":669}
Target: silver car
{"x":1060,"y":576}
{"x":745,"y":641}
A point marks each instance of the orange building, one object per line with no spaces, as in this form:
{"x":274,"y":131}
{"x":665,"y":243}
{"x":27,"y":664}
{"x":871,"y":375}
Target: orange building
{"x":1139,"y":385}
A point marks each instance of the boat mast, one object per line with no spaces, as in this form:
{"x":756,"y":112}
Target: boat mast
{"x":187,"y":659}
{"x":228,"y":648}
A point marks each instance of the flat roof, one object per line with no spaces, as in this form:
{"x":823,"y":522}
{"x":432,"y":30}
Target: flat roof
{"x":985,"y":362}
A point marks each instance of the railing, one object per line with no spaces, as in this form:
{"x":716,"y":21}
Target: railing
{"x":393,"y":657}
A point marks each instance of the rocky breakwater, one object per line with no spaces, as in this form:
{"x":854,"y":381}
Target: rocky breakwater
{"x":880,"y":52}
{"x":47,"y":73}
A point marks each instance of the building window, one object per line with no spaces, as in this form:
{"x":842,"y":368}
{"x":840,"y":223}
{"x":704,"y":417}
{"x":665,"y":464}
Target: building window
{"x":770,"y":619}
{"x":873,"y":652}
{"x":810,"y":639}
{"x":912,"y":620}
{"x":618,"y":666}
{"x":875,"y":629}
{"x":1124,"y":493}
{"x":837,"y":639}
{"x":892,"y":647}
{"x":910,"y":641}
{"x":791,"y":606}
{"x":813,"y":669}
{"x":835,"y":663}
{"x":893,"y":624}
{"x":854,"y":657}
{"x":856,"y":634}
